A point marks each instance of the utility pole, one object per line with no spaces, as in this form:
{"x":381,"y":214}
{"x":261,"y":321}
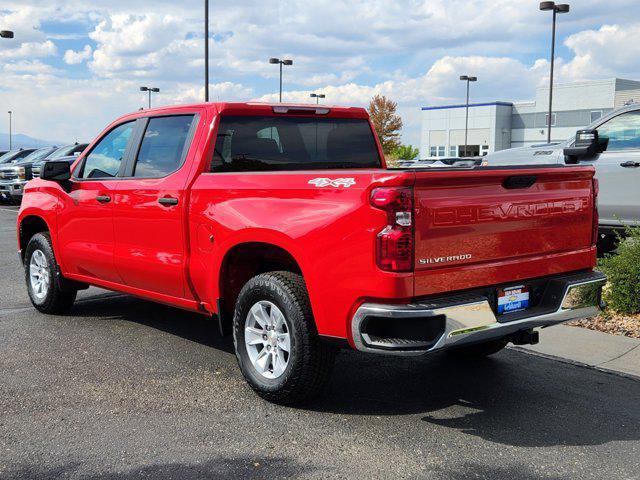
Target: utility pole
{"x":562,"y":8}
{"x":281,"y":63}
{"x":206,"y":50}
{"x":467,"y":79}
{"x":10,"y":133}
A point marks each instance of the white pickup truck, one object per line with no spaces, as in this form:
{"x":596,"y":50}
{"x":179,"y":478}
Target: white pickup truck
{"x":612,"y":145}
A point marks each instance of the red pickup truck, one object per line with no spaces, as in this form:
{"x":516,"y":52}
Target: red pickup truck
{"x":283,"y":222}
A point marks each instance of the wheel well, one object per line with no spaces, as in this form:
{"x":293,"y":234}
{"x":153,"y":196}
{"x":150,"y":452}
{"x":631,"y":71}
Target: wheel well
{"x":245,"y":261}
{"x":28,"y":228}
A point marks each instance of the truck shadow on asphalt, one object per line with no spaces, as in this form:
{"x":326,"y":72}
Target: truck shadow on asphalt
{"x":512,"y":398}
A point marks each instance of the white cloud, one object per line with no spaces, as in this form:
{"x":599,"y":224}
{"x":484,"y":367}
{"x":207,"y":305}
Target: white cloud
{"x":30,"y":50}
{"x":72,"y":57}
{"x":612,"y":50}
{"x":30,"y":67}
{"x":412,"y":51}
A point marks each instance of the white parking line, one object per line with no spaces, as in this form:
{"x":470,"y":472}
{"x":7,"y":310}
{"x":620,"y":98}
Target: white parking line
{"x":12,"y":210}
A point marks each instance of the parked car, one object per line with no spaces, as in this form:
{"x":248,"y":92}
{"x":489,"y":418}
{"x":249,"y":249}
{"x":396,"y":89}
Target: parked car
{"x":67,"y":151}
{"x":14,"y":176}
{"x":2,"y":152}
{"x":457,"y":162}
{"x":616,"y":158}
{"x":13,"y":156}
{"x":282,"y":222}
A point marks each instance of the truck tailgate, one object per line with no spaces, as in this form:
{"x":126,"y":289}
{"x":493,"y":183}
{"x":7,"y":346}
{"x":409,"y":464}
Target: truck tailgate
{"x":482,"y":227}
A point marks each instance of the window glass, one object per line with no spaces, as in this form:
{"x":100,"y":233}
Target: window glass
{"x":263,"y":143}
{"x":105,"y":158}
{"x":553,"y":119}
{"x":433,"y":151}
{"x":21,"y":155}
{"x":453,"y":151}
{"x":37,"y":155}
{"x":595,"y":115}
{"x":163,"y":145}
{"x":441,"y":151}
{"x":623,"y":131}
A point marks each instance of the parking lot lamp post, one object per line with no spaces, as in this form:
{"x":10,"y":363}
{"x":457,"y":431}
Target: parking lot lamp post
{"x":317,"y":96}
{"x":206,"y":50}
{"x":10,"y":143}
{"x":562,"y":8}
{"x":6,"y":34}
{"x":467,"y":79}
{"x":149,"y":89}
{"x":281,"y":63}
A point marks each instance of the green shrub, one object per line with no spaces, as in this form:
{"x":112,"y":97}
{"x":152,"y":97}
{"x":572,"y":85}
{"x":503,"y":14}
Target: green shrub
{"x":622,"y":293}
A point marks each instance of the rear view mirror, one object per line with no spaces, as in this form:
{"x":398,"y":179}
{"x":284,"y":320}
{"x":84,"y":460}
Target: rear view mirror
{"x":56,"y":170}
{"x":586,"y":146}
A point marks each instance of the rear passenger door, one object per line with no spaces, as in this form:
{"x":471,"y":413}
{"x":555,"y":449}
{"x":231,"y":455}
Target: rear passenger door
{"x":149,"y":206}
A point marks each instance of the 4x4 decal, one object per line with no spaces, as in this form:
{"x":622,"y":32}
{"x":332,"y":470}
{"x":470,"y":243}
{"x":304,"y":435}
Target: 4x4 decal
{"x":328,"y":182}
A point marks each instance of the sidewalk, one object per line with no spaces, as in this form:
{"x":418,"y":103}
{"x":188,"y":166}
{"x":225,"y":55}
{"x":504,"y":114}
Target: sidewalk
{"x":612,"y":353}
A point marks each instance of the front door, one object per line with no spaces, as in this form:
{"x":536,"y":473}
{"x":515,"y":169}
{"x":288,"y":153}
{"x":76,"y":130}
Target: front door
{"x":618,"y":169}
{"x":85,"y":221}
{"x":150,"y":207}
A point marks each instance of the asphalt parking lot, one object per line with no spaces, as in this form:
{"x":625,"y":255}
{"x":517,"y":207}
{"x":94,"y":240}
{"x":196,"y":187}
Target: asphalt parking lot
{"x":123,"y":388}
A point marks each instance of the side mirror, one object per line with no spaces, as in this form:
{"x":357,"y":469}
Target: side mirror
{"x":586,"y":146}
{"x":56,"y":170}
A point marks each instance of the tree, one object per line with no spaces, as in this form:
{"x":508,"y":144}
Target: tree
{"x":385,"y":121}
{"x":405,"y":152}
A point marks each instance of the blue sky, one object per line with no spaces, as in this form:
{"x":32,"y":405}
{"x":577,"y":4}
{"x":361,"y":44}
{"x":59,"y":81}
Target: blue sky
{"x":76,"y":65}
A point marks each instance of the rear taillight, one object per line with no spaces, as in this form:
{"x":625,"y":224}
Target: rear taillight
{"x":596,"y":215}
{"x":394,"y":244}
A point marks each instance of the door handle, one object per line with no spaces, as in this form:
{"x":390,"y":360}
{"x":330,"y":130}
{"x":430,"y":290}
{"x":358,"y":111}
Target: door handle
{"x":168,"y":201}
{"x":103,"y":198}
{"x":630,"y":164}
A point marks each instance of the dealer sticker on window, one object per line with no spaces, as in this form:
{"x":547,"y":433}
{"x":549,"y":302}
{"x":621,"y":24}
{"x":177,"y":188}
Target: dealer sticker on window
{"x":513,"y":299}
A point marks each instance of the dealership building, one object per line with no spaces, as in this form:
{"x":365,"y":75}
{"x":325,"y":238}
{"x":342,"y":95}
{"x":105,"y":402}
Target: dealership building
{"x":495,"y":126}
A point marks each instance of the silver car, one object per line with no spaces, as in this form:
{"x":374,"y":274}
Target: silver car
{"x":617,"y":164}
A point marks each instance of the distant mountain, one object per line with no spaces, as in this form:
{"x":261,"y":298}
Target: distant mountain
{"x":25,"y":141}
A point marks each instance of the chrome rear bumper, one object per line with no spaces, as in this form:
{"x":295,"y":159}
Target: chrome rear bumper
{"x":469,"y":318}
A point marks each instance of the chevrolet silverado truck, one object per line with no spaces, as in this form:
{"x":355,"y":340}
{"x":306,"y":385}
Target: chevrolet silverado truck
{"x":281,"y":223}
{"x":612,"y":145}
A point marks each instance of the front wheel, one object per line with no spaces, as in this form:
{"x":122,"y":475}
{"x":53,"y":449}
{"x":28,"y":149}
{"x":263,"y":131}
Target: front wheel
{"x":42,"y":275}
{"x":276,"y":343}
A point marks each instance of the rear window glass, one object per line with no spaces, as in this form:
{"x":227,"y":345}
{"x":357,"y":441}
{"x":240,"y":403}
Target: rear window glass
{"x":254,"y":143}
{"x":163,"y":146}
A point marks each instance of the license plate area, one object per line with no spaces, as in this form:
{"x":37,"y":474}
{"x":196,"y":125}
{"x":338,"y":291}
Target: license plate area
{"x":513,"y":299}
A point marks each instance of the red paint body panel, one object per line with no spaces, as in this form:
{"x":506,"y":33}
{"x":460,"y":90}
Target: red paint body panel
{"x":174,"y":254}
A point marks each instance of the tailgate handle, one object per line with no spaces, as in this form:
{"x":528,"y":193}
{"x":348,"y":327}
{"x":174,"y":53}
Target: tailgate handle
{"x":521,"y":181}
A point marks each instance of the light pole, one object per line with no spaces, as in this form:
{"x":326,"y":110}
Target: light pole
{"x":467,"y":79}
{"x":149,"y":89}
{"x":6,"y":34}
{"x":206,"y":50}
{"x":10,"y":143}
{"x":281,"y":63}
{"x":317,"y":96}
{"x":562,"y":8}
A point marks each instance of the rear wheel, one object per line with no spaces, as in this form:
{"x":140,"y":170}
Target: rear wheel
{"x":483,"y":349}
{"x":276,"y":343}
{"x":43,"y":279}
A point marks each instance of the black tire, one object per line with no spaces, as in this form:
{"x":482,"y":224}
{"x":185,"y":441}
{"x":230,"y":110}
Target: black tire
{"x":479,"y":350}
{"x":309,"y":361}
{"x":59,"y":297}
{"x":607,"y":244}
